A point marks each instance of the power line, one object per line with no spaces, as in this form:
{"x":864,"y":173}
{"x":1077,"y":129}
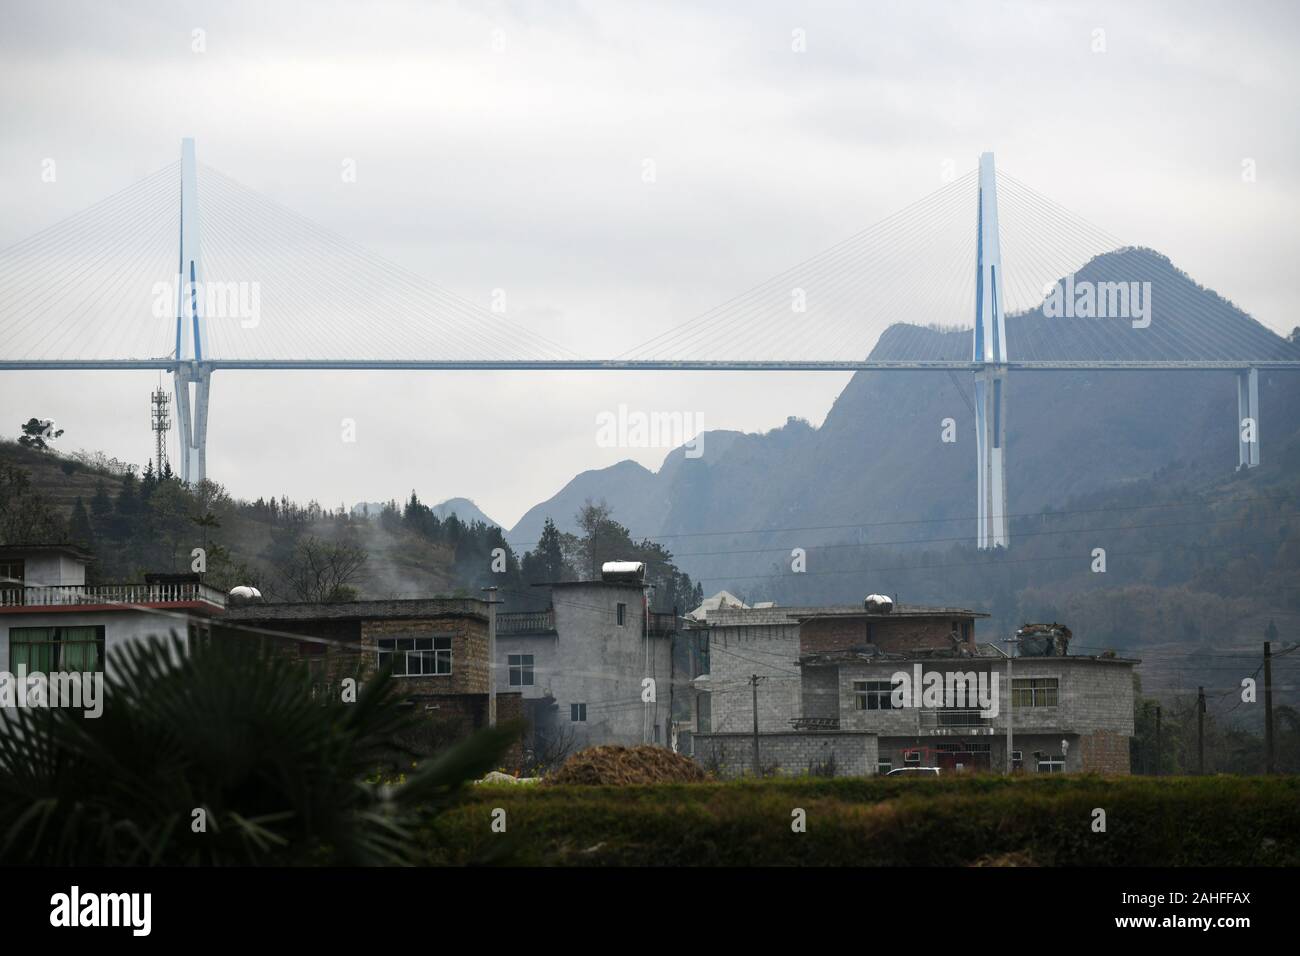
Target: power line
{"x":1187,"y":502}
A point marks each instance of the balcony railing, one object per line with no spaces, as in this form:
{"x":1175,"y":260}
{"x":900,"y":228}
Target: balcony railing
{"x":543,"y":622}
{"x":70,"y":595}
{"x":526,"y":622}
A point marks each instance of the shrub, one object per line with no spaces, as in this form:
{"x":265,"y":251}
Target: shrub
{"x":227,"y":732}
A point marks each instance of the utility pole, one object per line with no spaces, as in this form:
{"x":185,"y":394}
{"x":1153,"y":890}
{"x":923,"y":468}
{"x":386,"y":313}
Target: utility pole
{"x":1269,"y":742}
{"x":645,"y":639}
{"x":1158,"y":750}
{"x":492,"y":655}
{"x":1010,"y":641}
{"x":1200,"y":730}
{"x":753,"y":681}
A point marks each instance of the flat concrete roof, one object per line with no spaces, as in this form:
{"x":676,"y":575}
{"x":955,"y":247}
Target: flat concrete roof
{"x":899,"y":610}
{"x":71,"y":550}
{"x":832,"y":658}
{"x":741,"y":616}
{"x":626,"y":585}
{"x":358,"y":610}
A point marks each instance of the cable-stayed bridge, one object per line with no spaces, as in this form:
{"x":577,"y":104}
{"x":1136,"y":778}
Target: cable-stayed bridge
{"x":189,"y":272}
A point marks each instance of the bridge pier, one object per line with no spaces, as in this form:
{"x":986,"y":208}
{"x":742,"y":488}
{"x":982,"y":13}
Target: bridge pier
{"x":990,"y":439}
{"x":1248,"y":418}
{"x":192,"y":419}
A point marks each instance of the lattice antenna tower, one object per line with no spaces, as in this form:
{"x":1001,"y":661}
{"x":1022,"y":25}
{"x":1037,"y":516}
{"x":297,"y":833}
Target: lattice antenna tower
{"x":160,"y":419}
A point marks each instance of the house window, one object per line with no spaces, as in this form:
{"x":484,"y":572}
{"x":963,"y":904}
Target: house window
{"x":521,"y":670}
{"x":912,"y":756}
{"x":884,"y":765}
{"x":1017,"y":760}
{"x":622,"y":615}
{"x":577,"y":712}
{"x":1034,"y":691}
{"x":56,"y":650}
{"x":873,"y":694}
{"x":11,"y":582}
{"x":416,"y":656}
{"x":318,"y":686}
{"x":1051,"y":764}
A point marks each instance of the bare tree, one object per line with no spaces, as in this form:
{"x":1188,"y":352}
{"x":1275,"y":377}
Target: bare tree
{"x":548,"y":752}
{"x":323,"y":571}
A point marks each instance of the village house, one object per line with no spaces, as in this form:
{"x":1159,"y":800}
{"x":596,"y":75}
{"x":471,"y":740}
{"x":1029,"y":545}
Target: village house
{"x":595,"y":667}
{"x":437,"y":648}
{"x":824,"y":681}
{"x":51,"y":621}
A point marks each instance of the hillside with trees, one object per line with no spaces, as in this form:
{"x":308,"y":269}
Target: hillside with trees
{"x":136,"y":522}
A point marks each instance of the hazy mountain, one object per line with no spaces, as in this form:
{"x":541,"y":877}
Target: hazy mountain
{"x":878,"y":459}
{"x":462,"y":508}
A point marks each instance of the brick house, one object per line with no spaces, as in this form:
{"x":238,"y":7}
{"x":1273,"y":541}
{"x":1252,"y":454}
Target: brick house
{"x":438,"y":648}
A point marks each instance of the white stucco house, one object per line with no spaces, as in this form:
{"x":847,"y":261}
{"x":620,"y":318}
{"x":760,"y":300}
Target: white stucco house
{"x":51,"y":621}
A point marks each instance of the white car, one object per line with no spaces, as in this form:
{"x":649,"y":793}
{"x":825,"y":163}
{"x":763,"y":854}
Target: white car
{"x":914,"y":772}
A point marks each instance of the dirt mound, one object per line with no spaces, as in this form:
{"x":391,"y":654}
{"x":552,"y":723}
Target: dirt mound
{"x":621,"y":766}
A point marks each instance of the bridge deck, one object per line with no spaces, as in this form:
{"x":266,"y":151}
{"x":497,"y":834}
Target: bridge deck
{"x":168,"y":364}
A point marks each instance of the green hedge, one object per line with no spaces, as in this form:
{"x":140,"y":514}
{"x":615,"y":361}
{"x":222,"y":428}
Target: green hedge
{"x":955,"y":821}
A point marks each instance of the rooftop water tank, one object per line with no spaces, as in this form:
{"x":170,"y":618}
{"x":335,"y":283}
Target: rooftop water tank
{"x":878,"y":604}
{"x":623,"y":572}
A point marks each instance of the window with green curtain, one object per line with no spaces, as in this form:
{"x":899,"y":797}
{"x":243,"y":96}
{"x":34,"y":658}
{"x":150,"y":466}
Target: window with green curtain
{"x":56,"y":649}
{"x":79,"y":649}
{"x":32,"y":648}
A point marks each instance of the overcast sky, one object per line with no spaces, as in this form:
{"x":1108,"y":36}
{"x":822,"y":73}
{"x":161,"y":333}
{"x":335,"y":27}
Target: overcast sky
{"x":502,"y":146}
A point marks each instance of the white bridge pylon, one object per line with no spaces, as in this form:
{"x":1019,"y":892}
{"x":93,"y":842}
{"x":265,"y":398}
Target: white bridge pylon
{"x":191,"y":377}
{"x":990,"y":352}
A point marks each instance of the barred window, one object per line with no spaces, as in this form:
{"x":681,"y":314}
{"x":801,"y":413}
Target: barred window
{"x":1034,"y":691}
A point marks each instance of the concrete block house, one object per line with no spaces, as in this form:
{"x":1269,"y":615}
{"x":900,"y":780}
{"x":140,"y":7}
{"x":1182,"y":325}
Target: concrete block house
{"x":582,"y":663}
{"x":825,"y":681}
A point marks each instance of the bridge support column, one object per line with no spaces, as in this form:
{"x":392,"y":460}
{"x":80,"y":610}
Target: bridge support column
{"x":192,"y":418}
{"x":990,"y":351}
{"x":990,"y":439}
{"x":1248,"y":418}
